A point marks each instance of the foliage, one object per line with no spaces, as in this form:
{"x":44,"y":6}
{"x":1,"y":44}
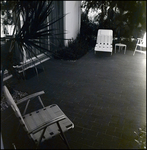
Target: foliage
{"x":32,"y":34}
{"x":17,"y":95}
{"x":82,"y":44}
{"x":88,"y":30}
{"x":75,"y":49}
{"x":6,"y":8}
{"x":126,"y":18}
{"x":141,"y":137}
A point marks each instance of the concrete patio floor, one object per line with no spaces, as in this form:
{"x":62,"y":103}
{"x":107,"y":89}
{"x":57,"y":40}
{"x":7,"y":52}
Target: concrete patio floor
{"x":103,"y":95}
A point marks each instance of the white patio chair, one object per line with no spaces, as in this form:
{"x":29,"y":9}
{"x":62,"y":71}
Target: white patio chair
{"x":41,"y":124}
{"x":104,"y":41}
{"x":141,"y":43}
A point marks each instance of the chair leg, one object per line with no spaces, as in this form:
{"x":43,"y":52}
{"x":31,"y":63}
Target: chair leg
{"x":14,"y":146}
{"x":40,"y":138}
{"x":43,"y":68}
{"x":24,"y":75}
{"x":125,"y":49}
{"x":63,"y":136}
{"x":135,"y":50}
{"x":134,"y":53}
{"x":119,"y":49}
{"x":36,"y":71}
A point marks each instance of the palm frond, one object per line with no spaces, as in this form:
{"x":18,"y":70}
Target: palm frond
{"x":35,"y":24}
{"x":35,"y":33}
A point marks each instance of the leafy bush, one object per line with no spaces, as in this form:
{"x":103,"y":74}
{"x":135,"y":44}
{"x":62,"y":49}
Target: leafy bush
{"x":75,"y":50}
{"x":88,"y":30}
{"x":82,"y":44}
{"x":141,"y":137}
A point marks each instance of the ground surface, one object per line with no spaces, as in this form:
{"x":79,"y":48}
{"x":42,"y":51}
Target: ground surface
{"x":103,"y":95}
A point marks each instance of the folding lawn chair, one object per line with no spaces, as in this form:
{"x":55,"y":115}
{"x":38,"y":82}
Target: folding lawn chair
{"x":41,"y":124}
{"x":104,"y":41}
{"x":141,"y":43}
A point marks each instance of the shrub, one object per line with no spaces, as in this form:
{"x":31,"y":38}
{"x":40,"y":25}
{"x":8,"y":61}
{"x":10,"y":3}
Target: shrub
{"x":85,"y":41}
{"x":88,"y":30}
{"x":141,"y":137}
{"x":75,"y":50}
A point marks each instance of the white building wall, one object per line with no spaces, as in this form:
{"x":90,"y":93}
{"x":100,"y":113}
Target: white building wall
{"x":72,"y":21}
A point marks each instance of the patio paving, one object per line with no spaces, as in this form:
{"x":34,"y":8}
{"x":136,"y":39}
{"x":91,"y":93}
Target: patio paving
{"x":103,"y":95}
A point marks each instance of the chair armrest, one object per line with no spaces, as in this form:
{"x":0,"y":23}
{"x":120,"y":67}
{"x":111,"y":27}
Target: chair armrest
{"x":30,"y":96}
{"x":44,"y":125}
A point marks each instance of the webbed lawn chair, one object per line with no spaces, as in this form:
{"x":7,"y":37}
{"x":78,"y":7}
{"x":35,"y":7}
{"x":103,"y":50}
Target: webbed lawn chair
{"x":141,"y":43}
{"x":104,"y":41}
{"x":41,"y":124}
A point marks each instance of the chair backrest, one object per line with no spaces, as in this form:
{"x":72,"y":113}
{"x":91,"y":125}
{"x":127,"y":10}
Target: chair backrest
{"x":144,"y":40}
{"x":105,"y":36}
{"x":11,"y":102}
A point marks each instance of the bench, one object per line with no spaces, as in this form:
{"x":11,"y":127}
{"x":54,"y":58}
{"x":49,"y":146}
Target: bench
{"x":30,"y":63}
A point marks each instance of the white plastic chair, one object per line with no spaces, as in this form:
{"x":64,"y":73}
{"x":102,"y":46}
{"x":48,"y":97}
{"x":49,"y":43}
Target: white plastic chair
{"x":141,"y":43}
{"x":104,"y":41}
{"x":41,"y":124}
